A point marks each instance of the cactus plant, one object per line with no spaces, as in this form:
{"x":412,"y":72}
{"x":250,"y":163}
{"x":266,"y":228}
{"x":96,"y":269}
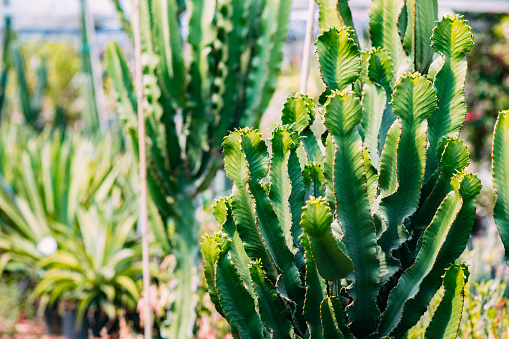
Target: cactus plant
{"x":500,"y":155}
{"x":354,"y":241}
{"x":195,"y":92}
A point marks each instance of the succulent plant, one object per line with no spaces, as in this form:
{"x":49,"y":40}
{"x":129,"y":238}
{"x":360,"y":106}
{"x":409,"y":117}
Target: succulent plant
{"x":352,"y":233}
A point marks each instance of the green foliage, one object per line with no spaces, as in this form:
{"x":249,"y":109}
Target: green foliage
{"x":377,"y":238}
{"x":500,"y":172}
{"x":4,"y":66}
{"x":485,"y":311}
{"x":30,"y":100}
{"x":220,"y":76}
{"x":75,"y":191}
{"x":45,"y":179}
{"x":96,"y":265}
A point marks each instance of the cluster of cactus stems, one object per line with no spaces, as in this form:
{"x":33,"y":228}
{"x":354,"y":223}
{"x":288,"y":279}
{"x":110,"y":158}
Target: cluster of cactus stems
{"x":208,"y":67}
{"x":352,"y":233}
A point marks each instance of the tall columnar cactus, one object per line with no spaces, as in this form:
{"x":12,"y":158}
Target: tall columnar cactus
{"x":354,"y":240}
{"x":209,"y":67}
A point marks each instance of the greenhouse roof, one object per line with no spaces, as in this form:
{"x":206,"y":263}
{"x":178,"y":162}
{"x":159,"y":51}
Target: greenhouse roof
{"x":63,"y":15}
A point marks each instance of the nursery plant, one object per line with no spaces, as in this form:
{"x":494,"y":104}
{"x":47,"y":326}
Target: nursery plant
{"x":45,"y":178}
{"x":352,"y":233}
{"x":97,"y":265}
{"x":208,"y":67}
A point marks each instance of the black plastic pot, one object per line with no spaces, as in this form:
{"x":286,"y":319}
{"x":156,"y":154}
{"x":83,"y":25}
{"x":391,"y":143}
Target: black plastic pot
{"x":92,"y":324}
{"x":52,"y":320}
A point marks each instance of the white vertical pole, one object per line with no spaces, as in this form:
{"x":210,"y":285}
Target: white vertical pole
{"x":143,"y":220}
{"x":304,"y":72}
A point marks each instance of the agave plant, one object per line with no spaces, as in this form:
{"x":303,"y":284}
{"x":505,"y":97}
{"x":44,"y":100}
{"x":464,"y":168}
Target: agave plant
{"x":97,"y":266}
{"x":46,"y":178}
{"x":192,"y":100}
{"x":352,"y":234}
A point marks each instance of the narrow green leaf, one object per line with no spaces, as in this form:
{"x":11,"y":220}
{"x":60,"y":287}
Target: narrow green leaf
{"x":23,"y":91}
{"x":123,"y":84}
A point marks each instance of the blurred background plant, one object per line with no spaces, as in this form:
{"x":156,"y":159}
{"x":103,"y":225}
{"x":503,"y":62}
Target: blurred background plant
{"x":74,"y":195}
{"x":487,"y":86}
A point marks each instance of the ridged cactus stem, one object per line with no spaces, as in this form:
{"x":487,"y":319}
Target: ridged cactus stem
{"x":358,"y":228}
